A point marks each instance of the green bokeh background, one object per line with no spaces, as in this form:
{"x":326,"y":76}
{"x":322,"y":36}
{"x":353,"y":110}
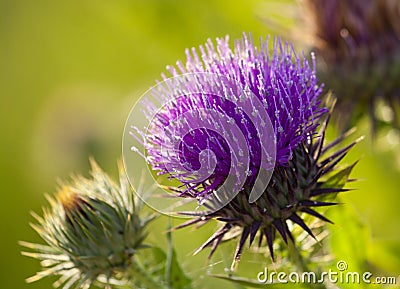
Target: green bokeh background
{"x":70,"y":72}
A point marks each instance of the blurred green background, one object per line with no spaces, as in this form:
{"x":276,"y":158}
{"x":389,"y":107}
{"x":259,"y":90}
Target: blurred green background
{"x":70,"y":72}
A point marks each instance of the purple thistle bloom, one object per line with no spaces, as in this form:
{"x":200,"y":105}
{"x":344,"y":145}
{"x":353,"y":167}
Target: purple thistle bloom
{"x":284,"y":82}
{"x":286,"y":89}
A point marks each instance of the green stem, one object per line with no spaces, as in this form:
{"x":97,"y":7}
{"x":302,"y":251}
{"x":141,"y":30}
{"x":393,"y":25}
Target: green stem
{"x":302,"y":265}
{"x":296,"y":257}
{"x":170,"y":252}
{"x":138,"y":275}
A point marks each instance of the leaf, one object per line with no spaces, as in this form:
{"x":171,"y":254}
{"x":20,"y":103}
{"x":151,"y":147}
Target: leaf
{"x":177,"y":278}
{"x":349,"y":241}
{"x":339,"y":179}
{"x":174,"y":275}
{"x":159,"y":256}
{"x":385,"y":254}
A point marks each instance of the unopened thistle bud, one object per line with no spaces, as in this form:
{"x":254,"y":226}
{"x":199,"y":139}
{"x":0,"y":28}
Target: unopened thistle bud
{"x":92,"y":230}
{"x":358,"y":50}
{"x":284,"y":92}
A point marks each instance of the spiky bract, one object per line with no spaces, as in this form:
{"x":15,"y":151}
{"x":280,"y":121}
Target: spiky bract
{"x":295,"y":190}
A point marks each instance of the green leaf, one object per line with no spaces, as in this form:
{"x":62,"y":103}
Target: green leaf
{"x":349,"y":240}
{"x":339,"y":179}
{"x":174,"y":275}
{"x":159,"y":258}
{"x":385,"y":255}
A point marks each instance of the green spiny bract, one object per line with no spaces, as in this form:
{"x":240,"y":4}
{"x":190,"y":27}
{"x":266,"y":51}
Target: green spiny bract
{"x":91,"y":230}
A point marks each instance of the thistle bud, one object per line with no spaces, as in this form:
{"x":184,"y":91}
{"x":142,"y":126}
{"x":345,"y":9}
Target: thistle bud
{"x":92,"y":230}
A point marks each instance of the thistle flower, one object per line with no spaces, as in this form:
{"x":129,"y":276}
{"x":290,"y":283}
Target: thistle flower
{"x":358,"y":46}
{"x":92,"y":230}
{"x":199,"y":113}
{"x":282,"y":96}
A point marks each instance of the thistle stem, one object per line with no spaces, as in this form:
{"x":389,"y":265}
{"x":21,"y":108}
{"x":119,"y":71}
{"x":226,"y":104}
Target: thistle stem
{"x":302,"y":265}
{"x":136,"y":274}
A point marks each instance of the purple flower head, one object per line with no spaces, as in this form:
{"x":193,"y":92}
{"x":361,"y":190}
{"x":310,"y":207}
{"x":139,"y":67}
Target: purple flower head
{"x":235,"y":114}
{"x":285,"y":83}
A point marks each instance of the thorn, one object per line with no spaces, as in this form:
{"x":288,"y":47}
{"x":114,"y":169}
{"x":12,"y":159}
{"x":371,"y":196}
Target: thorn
{"x":315,"y":214}
{"x":278,"y":223}
{"x":308,"y":203}
{"x":239,"y":248}
{"x":339,"y":154}
{"x":339,"y":139}
{"x":253,"y":231}
{"x":270,"y":234}
{"x":260,"y":240}
{"x":186,"y":224}
{"x":299,"y":221}
{"x":325,"y":191}
{"x":216,"y":235}
{"x":215,"y":245}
